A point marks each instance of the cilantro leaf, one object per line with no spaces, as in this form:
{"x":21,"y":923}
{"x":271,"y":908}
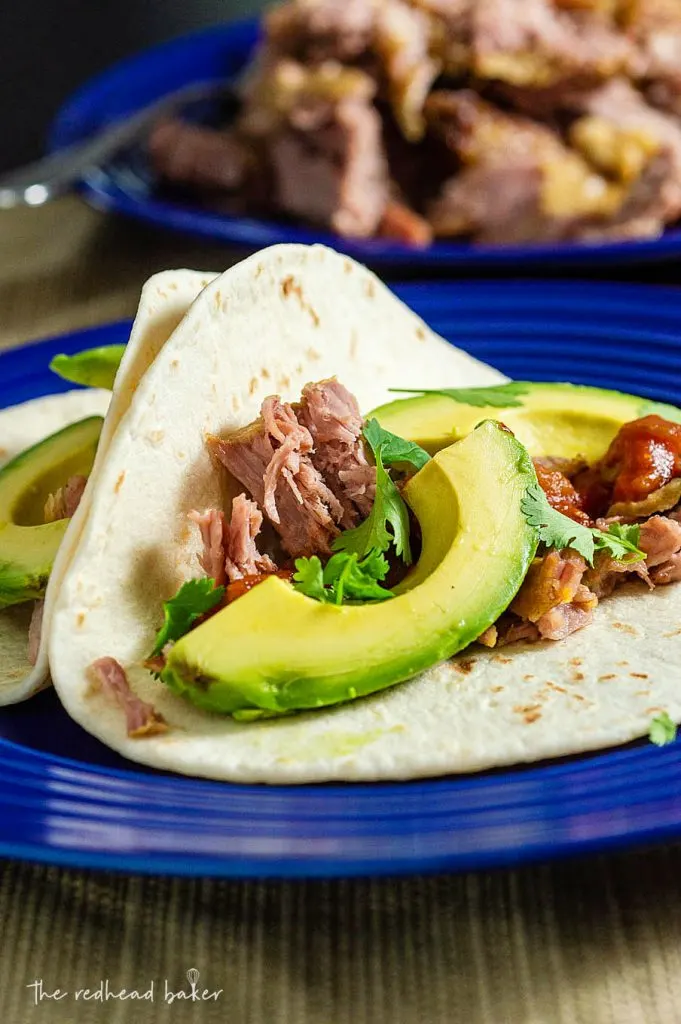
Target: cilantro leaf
{"x":620,"y":540}
{"x":394,"y":448}
{"x":193,"y":599}
{"x":555,"y":529}
{"x":94,"y":367}
{"x":497,"y":396}
{"x":308,"y":578}
{"x":344,"y":578}
{"x":662,"y":730}
{"x":559,"y":531}
{"x":388,"y":508}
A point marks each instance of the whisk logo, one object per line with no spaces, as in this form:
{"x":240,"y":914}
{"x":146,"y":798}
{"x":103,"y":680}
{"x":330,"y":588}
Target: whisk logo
{"x":194,"y":994}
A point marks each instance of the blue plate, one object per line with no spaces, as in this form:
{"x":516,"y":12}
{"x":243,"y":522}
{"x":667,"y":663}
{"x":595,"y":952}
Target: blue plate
{"x":64,"y":798}
{"x":128,"y":187}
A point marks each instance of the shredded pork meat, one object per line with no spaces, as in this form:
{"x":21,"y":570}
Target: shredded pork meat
{"x":64,"y":502}
{"x":140,"y":717}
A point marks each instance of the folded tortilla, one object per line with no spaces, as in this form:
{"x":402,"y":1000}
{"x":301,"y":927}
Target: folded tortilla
{"x":165,"y":299}
{"x":282,"y":318}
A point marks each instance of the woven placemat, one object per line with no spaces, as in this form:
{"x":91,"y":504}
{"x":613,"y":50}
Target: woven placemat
{"x":595,"y":941}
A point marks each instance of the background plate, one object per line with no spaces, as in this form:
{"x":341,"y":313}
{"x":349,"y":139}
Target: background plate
{"x":64,"y":798}
{"x":128,"y":187}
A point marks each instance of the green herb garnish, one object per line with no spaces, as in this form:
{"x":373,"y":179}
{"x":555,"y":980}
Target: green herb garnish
{"x":388,"y":509}
{"x":393,"y":448}
{"x":343,"y":578}
{"x":94,"y":367}
{"x":558,"y":531}
{"x":498,"y":396}
{"x":193,"y":599}
{"x":662,"y":730}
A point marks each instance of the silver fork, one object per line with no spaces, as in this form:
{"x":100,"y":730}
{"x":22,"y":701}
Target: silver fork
{"x":39,"y":182}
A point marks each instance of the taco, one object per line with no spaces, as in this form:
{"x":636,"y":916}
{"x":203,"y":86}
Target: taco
{"x":310,"y":558}
{"x":48,"y":470}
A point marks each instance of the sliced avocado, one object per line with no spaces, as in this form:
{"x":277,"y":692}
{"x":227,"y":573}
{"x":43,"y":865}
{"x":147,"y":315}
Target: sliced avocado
{"x":93,"y":367}
{"x":564,"y":420}
{"x":28,"y":545}
{"x":278,"y":650}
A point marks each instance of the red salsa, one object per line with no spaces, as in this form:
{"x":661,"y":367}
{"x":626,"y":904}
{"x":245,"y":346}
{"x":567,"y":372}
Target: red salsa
{"x":561,"y":493}
{"x":645,"y":455}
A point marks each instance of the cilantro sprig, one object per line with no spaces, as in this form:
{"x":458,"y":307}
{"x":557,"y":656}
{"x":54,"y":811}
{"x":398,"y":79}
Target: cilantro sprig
{"x":497,"y":396}
{"x":193,"y":599}
{"x":388,"y":522}
{"x":343,"y":578}
{"x":662,"y":730}
{"x":558,"y":531}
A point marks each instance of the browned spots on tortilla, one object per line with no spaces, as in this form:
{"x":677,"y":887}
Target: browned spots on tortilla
{"x":624,"y":664}
{"x":575,"y":661}
{"x":528,"y":677}
{"x":265,"y":373}
{"x":464,"y":666}
{"x":639,"y":675}
{"x":555,"y":686}
{"x":253,"y":385}
{"x":496,"y":689}
{"x":172,"y":287}
{"x":80,"y":618}
{"x":654,"y":711}
{"x":299,"y":368}
{"x":312,"y":354}
{"x":370,"y":289}
{"x":608,"y":675}
{"x":577,"y":677}
{"x":284,"y":382}
{"x":174,"y":364}
{"x":674,"y":632}
{"x":119,"y":482}
{"x":347,"y":267}
{"x":624,"y":627}
{"x":501,"y":660}
{"x":641,"y":693}
{"x":420,"y":333}
{"x":258,"y":271}
{"x":578,"y":696}
{"x":289,"y":286}
{"x":530,"y":713}
{"x":235,"y":403}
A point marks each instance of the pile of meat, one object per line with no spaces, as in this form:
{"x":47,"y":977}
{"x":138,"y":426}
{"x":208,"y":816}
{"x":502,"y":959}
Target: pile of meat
{"x":499,"y":120}
{"x":306,"y":471}
{"x":637,"y":481}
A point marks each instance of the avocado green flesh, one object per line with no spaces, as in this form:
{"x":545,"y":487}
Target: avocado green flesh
{"x":563,"y":420}
{"x":93,"y":367}
{"x":28,"y":545}
{"x":278,"y":650}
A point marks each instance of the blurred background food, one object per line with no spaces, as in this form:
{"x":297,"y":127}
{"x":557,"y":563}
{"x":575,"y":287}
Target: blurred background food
{"x":501,"y":121}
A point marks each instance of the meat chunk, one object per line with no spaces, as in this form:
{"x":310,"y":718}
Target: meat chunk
{"x":141,"y":718}
{"x":563,"y":620}
{"x":192,"y":154}
{"x":660,"y":539}
{"x":607,"y":573}
{"x":64,"y":502}
{"x":534,"y":44}
{"x":242,"y":557}
{"x":320,"y":30}
{"x":271,"y":459}
{"x":550,"y":581}
{"x":402,"y":43}
{"x":212,"y":559}
{"x":331,"y":415}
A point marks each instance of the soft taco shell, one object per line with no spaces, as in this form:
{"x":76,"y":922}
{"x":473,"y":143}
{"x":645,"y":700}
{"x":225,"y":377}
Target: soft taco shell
{"x":278,"y":320}
{"x":165,"y":299}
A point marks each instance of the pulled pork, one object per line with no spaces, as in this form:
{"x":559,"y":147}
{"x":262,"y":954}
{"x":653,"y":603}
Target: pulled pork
{"x":141,"y":718}
{"x":64,"y":502}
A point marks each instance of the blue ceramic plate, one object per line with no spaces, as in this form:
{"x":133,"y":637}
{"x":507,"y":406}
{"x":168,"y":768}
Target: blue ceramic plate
{"x":127,"y":186}
{"x":64,"y":798}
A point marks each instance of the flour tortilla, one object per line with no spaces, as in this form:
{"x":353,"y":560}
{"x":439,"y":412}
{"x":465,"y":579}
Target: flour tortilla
{"x":280,"y":319}
{"x":165,"y":299}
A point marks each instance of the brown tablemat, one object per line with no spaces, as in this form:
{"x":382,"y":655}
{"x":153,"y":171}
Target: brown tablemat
{"x":594,"y":941}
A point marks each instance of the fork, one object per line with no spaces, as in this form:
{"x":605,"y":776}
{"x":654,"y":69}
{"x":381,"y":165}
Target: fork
{"x":52,"y":176}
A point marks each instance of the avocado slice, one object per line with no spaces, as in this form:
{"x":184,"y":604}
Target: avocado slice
{"x":28,"y":545}
{"x":564,"y":420}
{"x":93,"y":367}
{"x":277,"y":650}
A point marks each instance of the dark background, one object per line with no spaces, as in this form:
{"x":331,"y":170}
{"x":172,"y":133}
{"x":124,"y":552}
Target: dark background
{"x":50,"y":47}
